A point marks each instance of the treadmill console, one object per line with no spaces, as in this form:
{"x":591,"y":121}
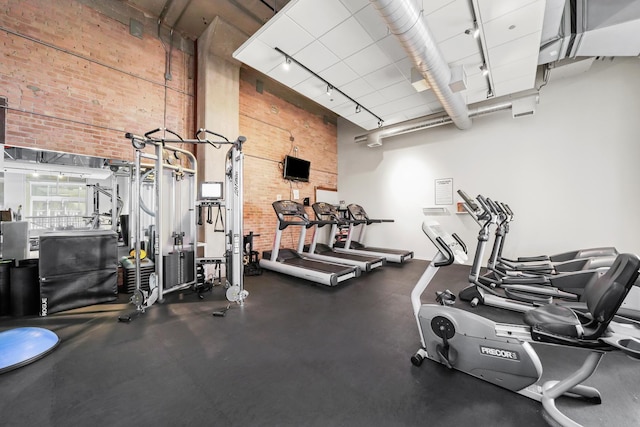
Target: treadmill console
{"x":357,"y":212}
{"x":286,"y":208}
{"x":324,"y":209}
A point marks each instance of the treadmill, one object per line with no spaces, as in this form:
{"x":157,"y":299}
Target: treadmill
{"x":358,"y":216}
{"x":327,"y":214}
{"x":293,"y":263}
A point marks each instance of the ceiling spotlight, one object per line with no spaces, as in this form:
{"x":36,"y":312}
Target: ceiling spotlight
{"x":358,"y":108}
{"x":484,"y":69}
{"x":329,"y":90}
{"x":474,"y":31}
{"x":287,"y":63}
{"x":380,"y":123}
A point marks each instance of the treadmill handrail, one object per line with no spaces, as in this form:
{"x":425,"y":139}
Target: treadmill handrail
{"x":284,"y":224}
{"x":379,"y":221}
{"x":319,"y":223}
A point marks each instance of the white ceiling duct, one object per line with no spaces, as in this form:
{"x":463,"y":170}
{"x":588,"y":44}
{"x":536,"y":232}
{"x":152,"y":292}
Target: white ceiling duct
{"x":522,"y":104}
{"x":405,"y":21}
{"x":584,"y":28}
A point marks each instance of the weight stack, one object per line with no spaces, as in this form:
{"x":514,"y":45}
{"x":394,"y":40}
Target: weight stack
{"x":178,"y":268}
{"x":129,"y":274}
{"x":25,"y":288}
{"x":5,"y":289}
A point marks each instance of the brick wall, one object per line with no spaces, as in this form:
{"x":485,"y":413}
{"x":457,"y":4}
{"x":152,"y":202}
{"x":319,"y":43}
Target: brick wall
{"x":269,"y":123}
{"x":76,"y":80}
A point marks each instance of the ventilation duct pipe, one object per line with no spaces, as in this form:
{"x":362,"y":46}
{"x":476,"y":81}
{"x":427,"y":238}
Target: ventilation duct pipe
{"x":374,"y":138}
{"x":405,"y":21}
{"x":582,"y":28}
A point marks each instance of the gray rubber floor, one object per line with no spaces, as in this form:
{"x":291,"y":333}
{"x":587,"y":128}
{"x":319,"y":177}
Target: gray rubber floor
{"x":296,"y":354}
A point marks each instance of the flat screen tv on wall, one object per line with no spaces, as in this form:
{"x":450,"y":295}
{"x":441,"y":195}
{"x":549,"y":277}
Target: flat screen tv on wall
{"x":296,"y":169}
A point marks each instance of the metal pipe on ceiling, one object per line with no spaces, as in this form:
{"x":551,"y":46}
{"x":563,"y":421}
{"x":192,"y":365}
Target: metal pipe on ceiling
{"x":247,"y":12}
{"x":165,"y":10}
{"x":273,"y":9}
{"x":181,"y":14}
{"x":405,"y":21}
{"x":374,"y":138}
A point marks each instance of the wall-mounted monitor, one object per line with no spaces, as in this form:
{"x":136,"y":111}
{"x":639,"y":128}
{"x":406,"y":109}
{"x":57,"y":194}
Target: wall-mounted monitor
{"x":211,"y":190}
{"x":296,"y":169}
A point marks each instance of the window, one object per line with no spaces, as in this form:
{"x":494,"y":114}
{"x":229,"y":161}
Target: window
{"x":57,"y":202}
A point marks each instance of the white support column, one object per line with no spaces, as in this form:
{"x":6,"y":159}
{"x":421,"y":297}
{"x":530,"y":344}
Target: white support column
{"x":218,"y":104}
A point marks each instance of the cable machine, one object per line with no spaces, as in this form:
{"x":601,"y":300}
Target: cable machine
{"x":176,"y":270}
{"x":234,"y":170}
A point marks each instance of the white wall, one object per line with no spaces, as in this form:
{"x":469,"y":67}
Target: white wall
{"x":570,"y":172}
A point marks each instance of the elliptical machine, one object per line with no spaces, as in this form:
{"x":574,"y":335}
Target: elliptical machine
{"x":576,"y":260}
{"x":501,"y":353}
{"x":517,"y":290}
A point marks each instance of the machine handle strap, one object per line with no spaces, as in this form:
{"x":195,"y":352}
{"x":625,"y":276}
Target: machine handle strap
{"x":219,"y":220}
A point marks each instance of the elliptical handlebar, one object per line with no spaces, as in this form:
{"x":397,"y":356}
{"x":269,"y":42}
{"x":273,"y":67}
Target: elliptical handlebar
{"x":487,"y":213}
{"x":494,"y":206}
{"x":502,"y":218}
{"x":508,"y":217}
{"x":509,"y":211}
{"x":468,"y":201}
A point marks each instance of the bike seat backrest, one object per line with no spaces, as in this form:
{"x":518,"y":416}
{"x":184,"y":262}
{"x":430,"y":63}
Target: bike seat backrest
{"x":605,"y":295}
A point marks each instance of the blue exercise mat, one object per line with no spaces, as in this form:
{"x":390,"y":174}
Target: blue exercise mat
{"x":21,"y":346}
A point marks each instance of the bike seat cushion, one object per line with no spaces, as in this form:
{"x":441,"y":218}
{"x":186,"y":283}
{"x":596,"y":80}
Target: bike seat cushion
{"x":555,"y":319}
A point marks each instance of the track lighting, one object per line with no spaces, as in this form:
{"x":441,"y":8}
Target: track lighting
{"x":330,"y":88}
{"x":474,"y":31}
{"x":484,"y":69}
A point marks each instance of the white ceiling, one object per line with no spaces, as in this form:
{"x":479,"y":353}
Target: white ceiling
{"x":347,"y":44}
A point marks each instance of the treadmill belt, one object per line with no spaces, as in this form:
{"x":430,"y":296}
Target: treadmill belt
{"x":353,"y":257}
{"x":385,"y":250}
{"x":318,"y":266}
